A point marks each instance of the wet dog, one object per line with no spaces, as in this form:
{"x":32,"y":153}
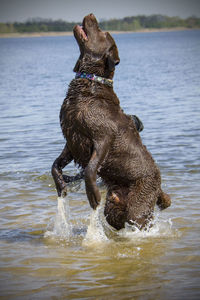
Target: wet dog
{"x":103,"y":140}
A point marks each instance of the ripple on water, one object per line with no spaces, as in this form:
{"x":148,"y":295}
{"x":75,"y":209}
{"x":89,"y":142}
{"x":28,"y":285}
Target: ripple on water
{"x":98,"y":232}
{"x":48,"y":251}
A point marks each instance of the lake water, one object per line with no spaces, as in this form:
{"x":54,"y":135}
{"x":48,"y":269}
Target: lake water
{"x":58,"y":248}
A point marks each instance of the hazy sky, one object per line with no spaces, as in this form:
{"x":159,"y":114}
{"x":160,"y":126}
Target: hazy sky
{"x":74,"y":10}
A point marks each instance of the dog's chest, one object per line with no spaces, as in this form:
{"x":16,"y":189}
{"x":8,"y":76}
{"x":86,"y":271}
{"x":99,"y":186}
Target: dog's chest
{"x":74,"y":128}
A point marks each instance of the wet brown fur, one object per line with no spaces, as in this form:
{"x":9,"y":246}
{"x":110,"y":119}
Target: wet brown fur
{"x":104,"y":141}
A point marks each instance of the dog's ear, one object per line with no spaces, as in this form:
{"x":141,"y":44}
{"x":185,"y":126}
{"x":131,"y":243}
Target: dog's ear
{"x":77,"y":65}
{"x":112,"y":59}
{"x":110,"y":64}
{"x":112,"y":56}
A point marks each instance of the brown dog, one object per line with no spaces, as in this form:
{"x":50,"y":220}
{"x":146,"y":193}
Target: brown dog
{"x":103,"y":140}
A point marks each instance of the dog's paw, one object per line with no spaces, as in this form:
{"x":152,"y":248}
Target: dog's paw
{"x":64,"y":192}
{"x":94,"y":202}
{"x":164,"y":201}
{"x":94,"y":199}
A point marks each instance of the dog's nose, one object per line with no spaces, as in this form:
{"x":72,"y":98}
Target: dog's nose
{"x":91,"y":15}
{"x":90,"y":20}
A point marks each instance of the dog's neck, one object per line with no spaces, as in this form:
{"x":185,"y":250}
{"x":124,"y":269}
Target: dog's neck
{"x":93,"y":65}
{"x":93,"y":77}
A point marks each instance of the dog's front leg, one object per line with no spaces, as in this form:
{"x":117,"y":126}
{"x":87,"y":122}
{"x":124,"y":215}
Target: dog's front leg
{"x":98,"y":155}
{"x":56,"y":170}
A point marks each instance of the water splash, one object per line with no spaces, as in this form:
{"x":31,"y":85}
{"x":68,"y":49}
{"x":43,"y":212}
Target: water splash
{"x":62,"y":227}
{"x":99,"y":231}
{"x":158,"y":228}
{"x":95,"y":232}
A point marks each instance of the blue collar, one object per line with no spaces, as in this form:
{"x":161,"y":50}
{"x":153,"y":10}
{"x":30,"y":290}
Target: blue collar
{"x":96,"y":78}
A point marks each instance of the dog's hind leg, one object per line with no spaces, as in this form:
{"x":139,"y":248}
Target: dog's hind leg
{"x":76,"y":177}
{"x":56,"y":171}
{"x":100,"y":150}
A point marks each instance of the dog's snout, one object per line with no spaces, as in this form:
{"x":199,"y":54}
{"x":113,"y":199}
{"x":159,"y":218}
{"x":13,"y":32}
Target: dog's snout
{"x":90,"y":17}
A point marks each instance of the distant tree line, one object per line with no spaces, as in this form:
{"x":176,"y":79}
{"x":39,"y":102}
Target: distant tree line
{"x":149,"y":22}
{"x":126,"y":24}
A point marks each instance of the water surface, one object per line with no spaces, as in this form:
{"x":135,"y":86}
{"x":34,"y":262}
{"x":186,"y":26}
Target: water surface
{"x":61,"y":250}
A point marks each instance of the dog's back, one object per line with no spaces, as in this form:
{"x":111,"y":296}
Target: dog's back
{"x":93,"y":112}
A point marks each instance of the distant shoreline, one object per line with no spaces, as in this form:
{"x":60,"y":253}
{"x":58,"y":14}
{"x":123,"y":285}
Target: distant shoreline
{"x":70,"y":33}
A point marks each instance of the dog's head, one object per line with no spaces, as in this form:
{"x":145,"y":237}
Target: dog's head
{"x":98,"y":51}
{"x":122,"y":206}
